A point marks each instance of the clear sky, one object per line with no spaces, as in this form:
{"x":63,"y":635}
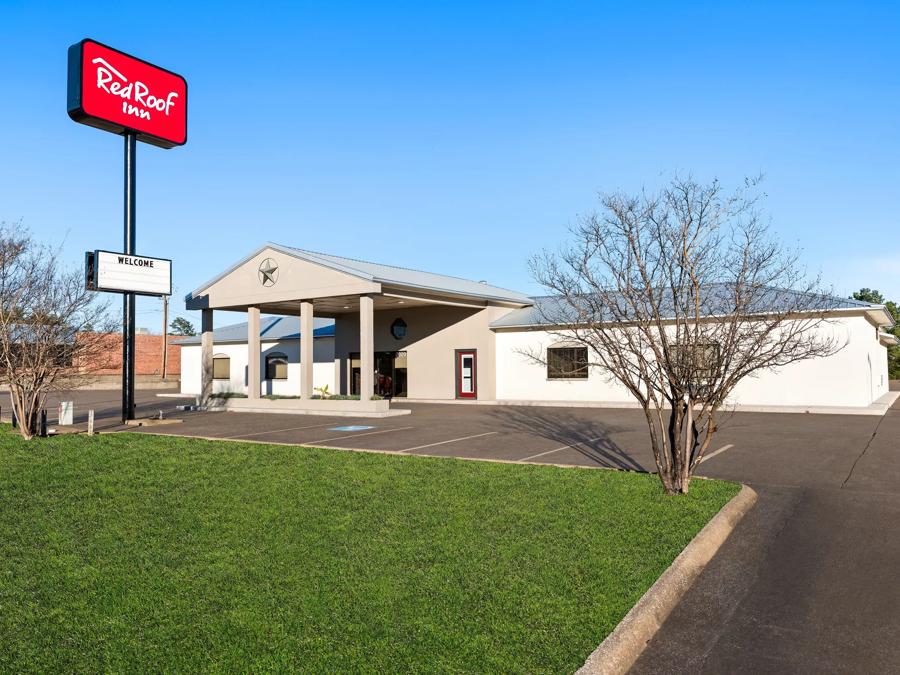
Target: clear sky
{"x":458,"y":137}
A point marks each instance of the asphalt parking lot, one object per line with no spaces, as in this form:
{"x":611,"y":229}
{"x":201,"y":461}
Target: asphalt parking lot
{"x":756,"y":448}
{"x":806,"y":583}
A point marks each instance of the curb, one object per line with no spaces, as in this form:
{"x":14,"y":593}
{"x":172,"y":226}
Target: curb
{"x":621,"y":648}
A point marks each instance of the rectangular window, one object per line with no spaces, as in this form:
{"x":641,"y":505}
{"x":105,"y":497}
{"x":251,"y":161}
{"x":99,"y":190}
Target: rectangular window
{"x":276,"y":367}
{"x":695,"y":364}
{"x":567,"y":363}
{"x":221,"y":368}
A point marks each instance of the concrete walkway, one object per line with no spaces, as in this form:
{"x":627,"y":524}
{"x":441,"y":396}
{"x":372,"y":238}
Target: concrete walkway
{"x":809,"y":582}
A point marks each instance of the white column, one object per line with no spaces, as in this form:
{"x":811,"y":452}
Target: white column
{"x":206,"y":355}
{"x":306,"y":349}
{"x":253,"y":352}
{"x":366,"y":348}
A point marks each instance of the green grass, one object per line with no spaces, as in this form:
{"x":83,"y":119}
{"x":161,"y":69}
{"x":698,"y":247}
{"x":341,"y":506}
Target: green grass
{"x":128,"y":552}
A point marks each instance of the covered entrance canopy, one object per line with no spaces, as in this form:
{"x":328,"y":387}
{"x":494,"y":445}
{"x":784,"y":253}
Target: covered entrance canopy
{"x":278,"y":279}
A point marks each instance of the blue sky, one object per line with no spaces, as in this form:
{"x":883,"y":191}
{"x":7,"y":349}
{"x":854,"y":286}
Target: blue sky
{"x":459,"y":137}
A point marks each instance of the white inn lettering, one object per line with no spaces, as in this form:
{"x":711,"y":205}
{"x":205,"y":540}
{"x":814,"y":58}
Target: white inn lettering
{"x":113,"y":82}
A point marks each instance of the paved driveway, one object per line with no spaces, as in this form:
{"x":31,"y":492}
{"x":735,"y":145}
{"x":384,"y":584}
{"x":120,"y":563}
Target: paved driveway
{"x":810,"y":580}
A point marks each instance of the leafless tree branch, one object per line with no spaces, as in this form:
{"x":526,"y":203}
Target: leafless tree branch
{"x":679,"y":295}
{"x":51,"y":327}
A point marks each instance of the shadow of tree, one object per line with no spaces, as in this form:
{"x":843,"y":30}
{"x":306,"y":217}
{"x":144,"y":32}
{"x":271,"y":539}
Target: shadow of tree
{"x":588,"y":437}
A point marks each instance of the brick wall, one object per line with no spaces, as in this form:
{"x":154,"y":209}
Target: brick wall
{"x":147,"y":356}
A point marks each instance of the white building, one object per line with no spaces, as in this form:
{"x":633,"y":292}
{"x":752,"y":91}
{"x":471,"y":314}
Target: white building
{"x":440,"y":338}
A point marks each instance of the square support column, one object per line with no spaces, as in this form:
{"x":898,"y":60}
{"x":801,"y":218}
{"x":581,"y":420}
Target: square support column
{"x":253,"y":352}
{"x":366,"y":347}
{"x":306,"y":349}
{"x":206,"y":355}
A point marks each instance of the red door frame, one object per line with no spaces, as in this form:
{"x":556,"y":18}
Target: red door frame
{"x":458,"y":354}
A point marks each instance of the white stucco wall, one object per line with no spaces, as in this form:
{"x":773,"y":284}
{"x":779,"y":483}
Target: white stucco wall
{"x":844,"y":379}
{"x":840,"y":380}
{"x":323,"y":367}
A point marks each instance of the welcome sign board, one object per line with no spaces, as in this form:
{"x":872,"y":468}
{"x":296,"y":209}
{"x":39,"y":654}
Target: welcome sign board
{"x":111,"y":90}
{"x":120,"y":273}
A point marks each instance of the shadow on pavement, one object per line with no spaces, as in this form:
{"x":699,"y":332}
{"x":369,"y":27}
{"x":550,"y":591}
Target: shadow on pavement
{"x":587,"y":437}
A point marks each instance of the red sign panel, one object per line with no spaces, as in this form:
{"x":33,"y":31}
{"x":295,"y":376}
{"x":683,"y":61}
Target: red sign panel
{"x":116,"y":92}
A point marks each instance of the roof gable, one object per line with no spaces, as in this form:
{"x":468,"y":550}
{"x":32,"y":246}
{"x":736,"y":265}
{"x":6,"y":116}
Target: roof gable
{"x":298,"y":278}
{"x":308,"y":275}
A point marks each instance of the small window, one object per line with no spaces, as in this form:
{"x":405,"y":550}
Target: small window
{"x":276,"y":367}
{"x":567,"y":363}
{"x":695,"y":365}
{"x":221,"y":368}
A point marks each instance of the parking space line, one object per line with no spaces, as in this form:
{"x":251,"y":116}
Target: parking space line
{"x":277,"y":431}
{"x":564,"y":447}
{"x":368,"y":433}
{"x":717,"y":452}
{"x":452,"y":440}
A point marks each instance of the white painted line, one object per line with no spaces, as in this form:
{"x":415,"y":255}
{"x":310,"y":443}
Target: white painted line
{"x":368,"y":433}
{"x":720,"y":450}
{"x":452,"y":440}
{"x":564,"y":447}
{"x":277,"y":431}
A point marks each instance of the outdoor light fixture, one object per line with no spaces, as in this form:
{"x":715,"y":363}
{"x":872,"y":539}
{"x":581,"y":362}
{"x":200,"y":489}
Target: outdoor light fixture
{"x":398,"y":329}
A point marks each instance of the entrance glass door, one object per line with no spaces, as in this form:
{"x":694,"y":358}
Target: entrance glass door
{"x":390,"y":374}
{"x":466,"y":374}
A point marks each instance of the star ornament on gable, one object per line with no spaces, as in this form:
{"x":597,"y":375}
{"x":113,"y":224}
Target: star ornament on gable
{"x":268,"y":272}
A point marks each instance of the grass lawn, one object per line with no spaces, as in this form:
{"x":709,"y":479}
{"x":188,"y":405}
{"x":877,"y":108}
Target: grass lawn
{"x":135,"y":552}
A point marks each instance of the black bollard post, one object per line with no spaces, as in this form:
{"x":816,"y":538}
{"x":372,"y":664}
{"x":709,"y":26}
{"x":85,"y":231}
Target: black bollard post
{"x":43,"y":424}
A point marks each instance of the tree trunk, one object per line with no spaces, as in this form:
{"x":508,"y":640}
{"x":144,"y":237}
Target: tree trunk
{"x":25,"y":412}
{"x":681,"y":421}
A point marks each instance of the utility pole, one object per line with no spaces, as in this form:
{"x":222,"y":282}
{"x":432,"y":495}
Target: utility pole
{"x":165,"y":340}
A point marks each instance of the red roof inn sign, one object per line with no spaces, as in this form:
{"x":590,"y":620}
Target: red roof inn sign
{"x":125,"y":95}
{"x":111,"y":90}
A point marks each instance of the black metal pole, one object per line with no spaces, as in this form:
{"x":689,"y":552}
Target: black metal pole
{"x":129,"y":298}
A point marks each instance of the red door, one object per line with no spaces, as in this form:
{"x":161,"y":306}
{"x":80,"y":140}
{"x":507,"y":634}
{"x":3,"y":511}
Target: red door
{"x":466,"y":374}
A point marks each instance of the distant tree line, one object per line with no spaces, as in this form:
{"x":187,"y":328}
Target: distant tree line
{"x":874,"y":296}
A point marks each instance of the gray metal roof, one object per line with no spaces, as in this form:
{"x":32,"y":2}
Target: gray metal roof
{"x":404,"y":276}
{"x":270,"y":328}
{"x":715,"y":301}
{"x":387,"y":274}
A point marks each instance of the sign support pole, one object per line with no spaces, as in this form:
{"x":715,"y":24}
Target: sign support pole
{"x":128,"y":302}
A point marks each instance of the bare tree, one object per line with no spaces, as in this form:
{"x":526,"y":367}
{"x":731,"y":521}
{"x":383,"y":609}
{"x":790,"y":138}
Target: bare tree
{"x":679,"y":295}
{"x":51,"y":328}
